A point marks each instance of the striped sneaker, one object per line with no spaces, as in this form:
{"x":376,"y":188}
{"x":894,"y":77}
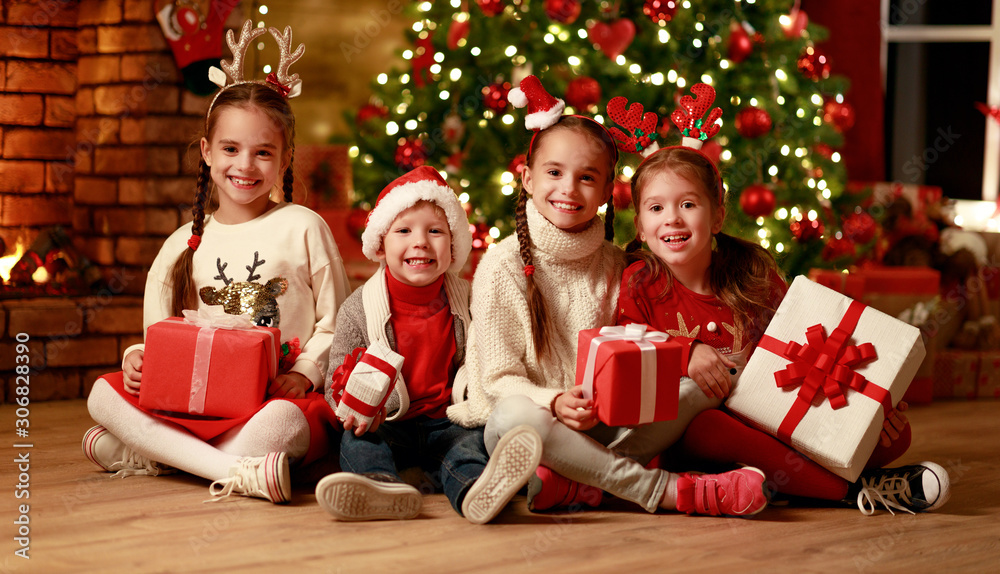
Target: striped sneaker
{"x":260,"y":476}
{"x":513,"y":462}
{"x":740,"y":492}
{"x":350,"y":496}
{"x":108,"y":452}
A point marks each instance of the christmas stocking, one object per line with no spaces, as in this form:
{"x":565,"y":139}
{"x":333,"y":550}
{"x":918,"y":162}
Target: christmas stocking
{"x":194,"y":30}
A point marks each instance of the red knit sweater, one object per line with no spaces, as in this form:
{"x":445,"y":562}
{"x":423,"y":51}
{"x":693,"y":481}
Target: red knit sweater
{"x":423,"y":324}
{"x":683,"y":314}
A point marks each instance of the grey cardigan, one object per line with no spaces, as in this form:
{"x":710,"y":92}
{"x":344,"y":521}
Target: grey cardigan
{"x":364,"y":316}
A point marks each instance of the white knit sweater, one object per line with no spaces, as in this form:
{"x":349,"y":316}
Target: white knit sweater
{"x":578,"y":275}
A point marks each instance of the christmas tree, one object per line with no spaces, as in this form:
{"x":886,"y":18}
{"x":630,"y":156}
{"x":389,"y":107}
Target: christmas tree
{"x":783,"y":111}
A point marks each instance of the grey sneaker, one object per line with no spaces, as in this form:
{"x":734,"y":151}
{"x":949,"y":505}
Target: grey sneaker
{"x":512,"y":464}
{"x":350,"y":496}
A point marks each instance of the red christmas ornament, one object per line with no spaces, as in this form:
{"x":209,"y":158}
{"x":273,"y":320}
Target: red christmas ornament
{"x":480,"y":235}
{"x":356,"y":221}
{"x":458,"y":31}
{"x":369,"y":112}
{"x":490,"y":7}
{"x":795,"y":24}
{"x":562,"y":11}
{"x":622,"y":194}
{"x":839,"y":115}
{"x":660,"y":11}
{"x":740,"y":44}
{"x":805,"y":230}
{"x":422,"y":61}
{"x":495,"y":96}
{"x":859,"y":227}
{"x":454,"y":162}
{"x":813,"y":64}
{"x":411,"y":154}
{"x":583,"y":92}
{"x":517,"y":164}
{"x":712,"y":150}
{"x":823,"y":150}
{"x":752,"y":122}
{"x":757,"y":200}
{"x":838,"y":248}
{"x":614,"y":38}
{"x":454,"y":128}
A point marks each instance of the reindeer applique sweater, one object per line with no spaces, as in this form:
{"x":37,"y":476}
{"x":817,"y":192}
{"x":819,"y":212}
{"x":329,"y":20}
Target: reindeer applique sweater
{"x":578,"y":275}
{"x":685,"y":315}
{"x":288,"y":242}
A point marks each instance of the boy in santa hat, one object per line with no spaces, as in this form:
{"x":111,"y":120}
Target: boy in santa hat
{"x":414,"y":311}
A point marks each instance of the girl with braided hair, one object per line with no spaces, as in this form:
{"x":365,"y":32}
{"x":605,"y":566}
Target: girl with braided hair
{"x":533,"y":292}
{"x":256,"y":253}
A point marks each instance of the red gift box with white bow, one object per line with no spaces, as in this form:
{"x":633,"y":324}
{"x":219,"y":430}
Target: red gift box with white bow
{"x":825,"y":375}
{"x":208,"y":363}
{"x":631,"y":374}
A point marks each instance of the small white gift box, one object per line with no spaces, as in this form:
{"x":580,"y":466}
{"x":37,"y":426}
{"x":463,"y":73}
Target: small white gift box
{"x":825,"y":374}
{"x":370,"y":383}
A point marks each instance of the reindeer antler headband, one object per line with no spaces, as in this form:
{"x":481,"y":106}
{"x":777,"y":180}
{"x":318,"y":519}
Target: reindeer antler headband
{"x":231,"y":73}
{"x":689,"y":118}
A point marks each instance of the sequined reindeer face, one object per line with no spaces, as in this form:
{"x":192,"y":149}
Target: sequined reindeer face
{"x":248,"y":297}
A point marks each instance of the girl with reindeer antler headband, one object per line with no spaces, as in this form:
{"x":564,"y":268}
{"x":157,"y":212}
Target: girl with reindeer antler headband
{"x":275,"y":263}
{"x":715,"y":294}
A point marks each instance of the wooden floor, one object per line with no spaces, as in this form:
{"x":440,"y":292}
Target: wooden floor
{"x":83,"y":521}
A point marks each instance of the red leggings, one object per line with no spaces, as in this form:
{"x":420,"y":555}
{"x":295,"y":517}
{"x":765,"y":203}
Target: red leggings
{"x":717,"y":436}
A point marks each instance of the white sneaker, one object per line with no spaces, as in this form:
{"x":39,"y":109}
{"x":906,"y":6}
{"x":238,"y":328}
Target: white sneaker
{"x":350,"y":496}
{"x":512,"y":464}
{"x":260,"y":476}
{"x":108,"y":452}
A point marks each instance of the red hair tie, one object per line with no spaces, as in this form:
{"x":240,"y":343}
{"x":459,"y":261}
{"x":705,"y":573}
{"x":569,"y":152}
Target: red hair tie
{"x":529,"y":270}
{"x":194,"y":242}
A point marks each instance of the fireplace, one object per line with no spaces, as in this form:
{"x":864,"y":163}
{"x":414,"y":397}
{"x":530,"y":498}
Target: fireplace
{"x":95,"y":172}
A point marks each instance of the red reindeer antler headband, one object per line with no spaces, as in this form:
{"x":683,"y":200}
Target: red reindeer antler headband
{"x":641,"y":126}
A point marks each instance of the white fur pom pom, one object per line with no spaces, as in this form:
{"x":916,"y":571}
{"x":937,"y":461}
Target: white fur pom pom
{"x":517,"y":98}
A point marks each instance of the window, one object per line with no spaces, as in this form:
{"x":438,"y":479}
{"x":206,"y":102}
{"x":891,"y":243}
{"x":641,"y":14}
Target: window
{"x":938,"y":61}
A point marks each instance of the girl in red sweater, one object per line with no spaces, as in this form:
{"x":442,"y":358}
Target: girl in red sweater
{"x":715,"y":294}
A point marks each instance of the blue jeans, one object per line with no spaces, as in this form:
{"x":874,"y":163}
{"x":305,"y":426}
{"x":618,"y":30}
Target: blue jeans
{"x":453,"y":456}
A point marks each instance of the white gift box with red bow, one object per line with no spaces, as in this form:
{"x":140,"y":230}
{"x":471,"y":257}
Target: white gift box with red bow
{"x":370,"y":383}
{"x":825,"y":375}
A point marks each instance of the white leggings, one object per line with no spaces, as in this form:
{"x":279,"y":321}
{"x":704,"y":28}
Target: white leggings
{"x":278,"y":427}
{"x":610,"y":458}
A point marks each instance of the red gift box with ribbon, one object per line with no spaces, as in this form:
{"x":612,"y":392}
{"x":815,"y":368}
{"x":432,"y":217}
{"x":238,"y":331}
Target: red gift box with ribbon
{"x":825,"y":374}
{"x":632,"y":375}
{"x":208,"y":364}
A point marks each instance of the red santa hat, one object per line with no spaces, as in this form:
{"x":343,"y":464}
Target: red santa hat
{"x":543,"y":109}
{"x":421,"y":184}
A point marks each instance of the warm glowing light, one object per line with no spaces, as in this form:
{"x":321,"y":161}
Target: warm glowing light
{"x":8,"y":263}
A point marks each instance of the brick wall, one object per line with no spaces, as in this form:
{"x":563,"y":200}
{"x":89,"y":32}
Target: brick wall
{"x":134,"y":122}
{"x":38,"y":79}
{"x":95,"y":130}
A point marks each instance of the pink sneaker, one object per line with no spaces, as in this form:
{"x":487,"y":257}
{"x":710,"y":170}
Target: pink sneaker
{"x":739,"y":492}
{"x":549,"y":490}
